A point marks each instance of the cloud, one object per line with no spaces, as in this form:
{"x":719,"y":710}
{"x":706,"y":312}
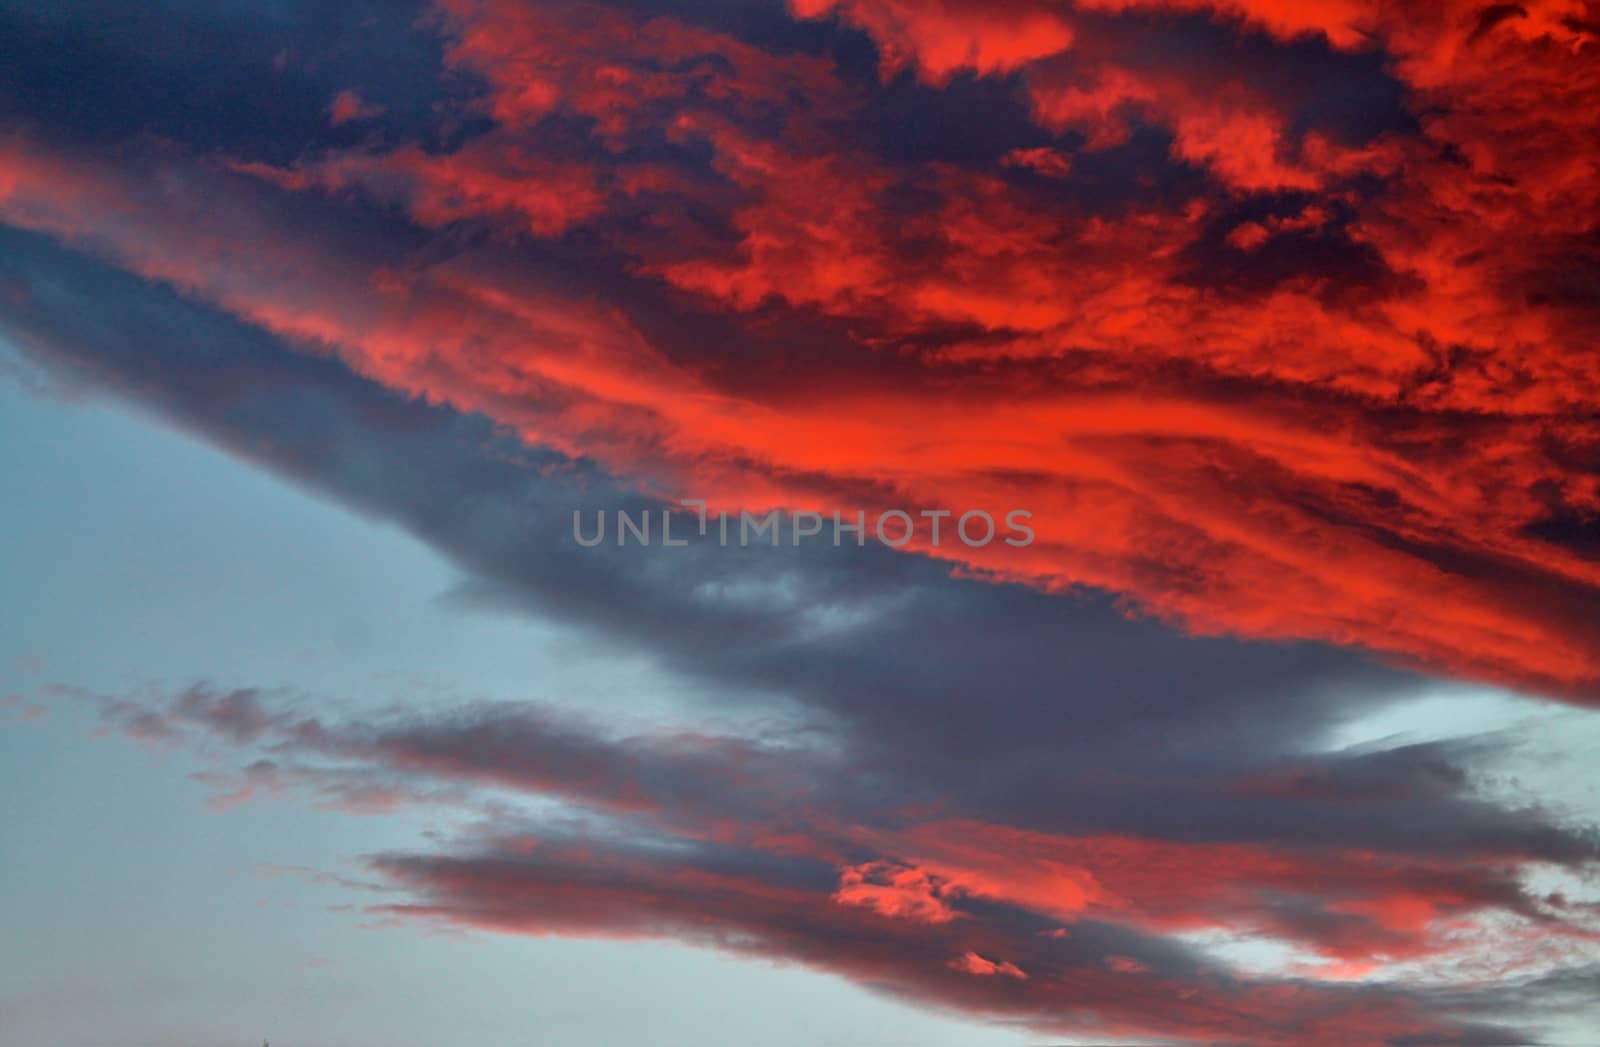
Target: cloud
{"x":1275,"y":316}
{"x":946,"y":36}
{"x":762,"y":847}
{"x":972,"y":963}
{"x":17,"y":708}
{"x":1127,"y":782}
{"x":1357,"y":438}
{"x":348,"y":106}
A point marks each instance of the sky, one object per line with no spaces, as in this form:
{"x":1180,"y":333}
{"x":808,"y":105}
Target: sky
{"x":321,"y":324}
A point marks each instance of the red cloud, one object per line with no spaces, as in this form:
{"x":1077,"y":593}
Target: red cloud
{"x":348,"y":106}
{"x":895,"y":890}
{"x":1355,"y":911}
{"x":1371,"y":452}
{"x":1076,"y":934}
{"x":549,"y":888}
{"x":941,"y":37}
{"x":971,"y":963}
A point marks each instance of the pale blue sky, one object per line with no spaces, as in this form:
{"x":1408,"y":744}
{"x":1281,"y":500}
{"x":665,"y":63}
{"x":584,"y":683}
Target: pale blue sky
{"x":137,"y":557}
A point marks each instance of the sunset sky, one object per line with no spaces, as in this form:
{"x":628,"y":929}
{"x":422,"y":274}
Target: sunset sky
{"x":319,"y":322}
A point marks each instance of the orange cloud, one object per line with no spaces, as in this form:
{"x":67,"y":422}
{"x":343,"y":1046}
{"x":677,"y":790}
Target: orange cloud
{"x":1366,"y":440}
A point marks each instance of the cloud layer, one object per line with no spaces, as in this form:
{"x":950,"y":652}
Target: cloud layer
{"x":1279,"y":318}
{"x":1278,"y":322}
